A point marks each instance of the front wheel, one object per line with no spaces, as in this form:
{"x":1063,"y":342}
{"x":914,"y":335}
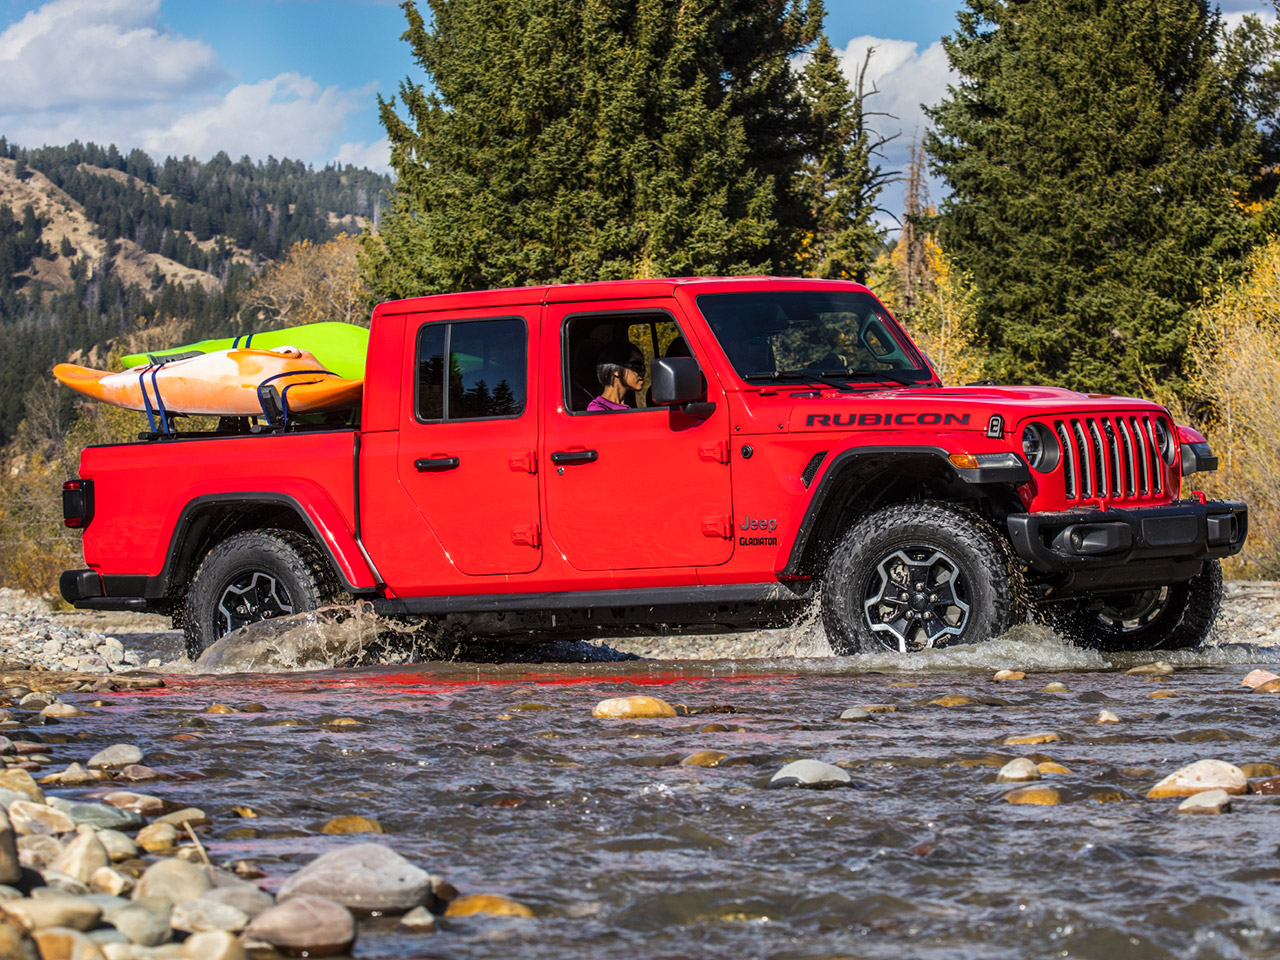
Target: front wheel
{"x":1172,"y":617}
{"x":252,"y":576}
{"x":918,"y":576}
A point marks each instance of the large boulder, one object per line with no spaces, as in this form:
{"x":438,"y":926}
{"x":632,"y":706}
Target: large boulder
{"x":364,"y":877}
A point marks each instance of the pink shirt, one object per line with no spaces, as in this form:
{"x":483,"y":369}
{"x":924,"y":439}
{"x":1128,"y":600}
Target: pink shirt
{"x":603,"y":403}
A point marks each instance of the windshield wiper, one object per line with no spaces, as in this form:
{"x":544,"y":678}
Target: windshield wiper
{"x":800,"y":375}
{"x":894,"y":376}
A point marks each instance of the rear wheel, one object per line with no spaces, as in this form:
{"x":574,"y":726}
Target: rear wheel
{"x":252,"y":576}
{"x":1172,"y":617}
{"x":917,"y":576}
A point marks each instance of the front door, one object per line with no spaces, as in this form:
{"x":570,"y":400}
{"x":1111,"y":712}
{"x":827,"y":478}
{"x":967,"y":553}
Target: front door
{"x":640,"y":487}
{"x":468,"y":452}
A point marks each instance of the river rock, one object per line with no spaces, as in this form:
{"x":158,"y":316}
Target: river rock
{"x":811,"y":774}
{"x":155,"y":837}
{"x":10,"y":866}
{"x":1020,"y":770}
{"x":136,"y":772}
{"x":83,"y":855}
{"x":112,"y":881}
{"x":28,"y":817}
{"x":1201,"y":776}
{"x":145,"y":923}
{"x":1009,"y":675}
{"x":38,"y":850}
{"x":193,"y":816}
{"x":1106,"y":716}
{"x":74,"y":776}
{"x":98,"y":815}
{"x":1252,"y":770}
{"x":342,"y":825}
{"x":856,"y":713}
{"x":1157,"y":669}
{"x":1271,"y":686}
{"x":245,"y":897}
{"x":1256,"y":678}
{"x":53,"y":911}
{"x":704,"y":758}
{"x":15,"y":942}
{"x":22,"y":782}
{"x":119,"y":846}
{"x":137,"y":802}
{"x":951,"y":700}
{"x":62,"y":944}
{"x":176,"y":880}
{"x":1207,"y":801}
{"x":419,"y":920}
{"x":61,"y":711}
{"x":1048,"y":766}
{"x":365,"y":876}
{"x":116,"y":756}
{"x":1026,"y":739}
{"x":491,"y":904}
{"x":1055,"y":686}
{"x":213,"y":945}
{"x":1267,"y":787}
{"x":305,"y":923}
{"x":633,"y":708}
{"x":200,"y":915}
{"x":1037,"y":795}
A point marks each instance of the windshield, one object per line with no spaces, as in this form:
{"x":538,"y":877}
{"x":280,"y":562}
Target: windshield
{"x":817,"y":335}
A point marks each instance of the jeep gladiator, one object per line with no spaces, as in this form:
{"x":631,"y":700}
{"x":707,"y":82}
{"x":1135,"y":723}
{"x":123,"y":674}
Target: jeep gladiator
{"x":790,"y":442}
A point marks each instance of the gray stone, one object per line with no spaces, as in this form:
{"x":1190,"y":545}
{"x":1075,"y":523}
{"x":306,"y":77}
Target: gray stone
{"x":82,"y":856}
{"x":215,"y":945}
{"x":10,"y":866}
{"x":176,"y":880}
{"x":192,"y":815}
{"x":119,"y":846}
{"x":111,"y":881}
{"x":38,"y":850}
{"x":116,"y":757}
{"x":1018,"y":770}
{"x":855,"y":713}
{"x":29,"y":817}
{"x":75,"y":776}
{"x":307,"y":923}
{"x":201,"y":914}
{"x":1208,"y":801}
{"x":15,"y":942}
{"x":245,"y":897}
{"x":58,"y":884}
{"x":145,"y":923}
{"x":99,"y":815}
{"x":419,"y":920}
{"x":54,"y":911}
{"x":365,"y":877}
{"x":812,"y":774}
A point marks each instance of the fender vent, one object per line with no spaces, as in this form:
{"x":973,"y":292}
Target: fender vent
{"x":811,"y":468}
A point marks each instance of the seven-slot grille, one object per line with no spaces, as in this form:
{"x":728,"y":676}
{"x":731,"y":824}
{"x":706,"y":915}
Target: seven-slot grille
{"x":1110,"y":458}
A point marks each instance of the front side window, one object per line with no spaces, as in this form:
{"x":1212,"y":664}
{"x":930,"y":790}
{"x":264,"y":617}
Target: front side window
{"x":811,"y":334}
{"x":608,"y":356}
{"x":472,"y":370}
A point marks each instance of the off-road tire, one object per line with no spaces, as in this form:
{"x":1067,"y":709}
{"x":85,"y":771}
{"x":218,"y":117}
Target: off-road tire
{"x":1178,"y":617}
{"x":987,"y":578}
{"x":277,"y":572}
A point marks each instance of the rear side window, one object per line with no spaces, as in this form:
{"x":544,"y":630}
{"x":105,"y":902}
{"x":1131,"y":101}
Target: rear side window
{"x":471,"y":370}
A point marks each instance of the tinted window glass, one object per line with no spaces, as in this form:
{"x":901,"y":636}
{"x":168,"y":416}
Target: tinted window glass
{"x":485,"y":370}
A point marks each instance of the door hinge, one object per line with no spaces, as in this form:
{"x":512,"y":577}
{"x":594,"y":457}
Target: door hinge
{"x":721,"y":526}
{"x":528,"y":462}
{"x":715,"y":452}
{"x":529,"y":534}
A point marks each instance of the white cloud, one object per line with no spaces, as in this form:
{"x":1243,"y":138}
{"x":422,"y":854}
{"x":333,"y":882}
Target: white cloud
{"x":72,"y":52}
{"x":375,"y":156}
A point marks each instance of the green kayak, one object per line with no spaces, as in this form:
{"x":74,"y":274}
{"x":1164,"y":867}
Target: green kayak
{"x":340,"y":347}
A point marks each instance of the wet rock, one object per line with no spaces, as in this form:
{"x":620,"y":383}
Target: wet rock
{"x":633,"y":708}
{"x":418,"y":920}
{"x":193,"y":816}
{"x":879,"y":707}
{"x":1109,"y":796}
{"x":951,"y":700}
{"x":98,"y":815}
{"x":145,"y":923}
{"x":175,"y":880}
{"x":1157,"y":669}
{"x":15,"y":942}
{"x":341,"y":825}
{"x":1252,"y":770}
{"x":1106,"y":716}
{"x":1201,"y":776}
{"x":1271,"y":686}
{"x":82,"y":856}
{"x":491,"y":904}
{"x":1020,"y":770}
{"x":245,"y":897}
{"x":21,"y":782}
{"x":213,"y":945}
{"x":1162,"y":694}
{"x":54,"y":911}
{"x":60,"y":944}
{"x":10,"y":866}
{"x":137,"y":802}
{"x":200,"y":915}
{"x":157,"y":836}
{"x":117,"y":756}
{"x":119,"y":846}
{"x":442,"y":891}
{"x":1037,"y":795}
{"x":1208,"y":801}
{"x":1268,"y":787}
{"x":112,"y":881}
{"x":1256,"y":678}
{"x":811,"y":774}
{"x":38,"y":851}
{"x":856,"y":713}
{"x":1055,"y":687}
{"x":1048,"y":766}
{"x":1025,"y":739}
{"x":1009,"y":675}
{"x":137,"y":772}
{"x":74,"y":776}
{"x":366,"y":876}
{"x":62,"y":711}
{"x":703,"y":758}
{"x":305,"y":923}
{"x":28,"y":817}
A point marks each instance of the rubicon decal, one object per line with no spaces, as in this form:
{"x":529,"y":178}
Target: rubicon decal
{"x":886,"y":419}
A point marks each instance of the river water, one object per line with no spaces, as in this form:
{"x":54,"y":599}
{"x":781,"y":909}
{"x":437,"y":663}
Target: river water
{"x":497,"y":777}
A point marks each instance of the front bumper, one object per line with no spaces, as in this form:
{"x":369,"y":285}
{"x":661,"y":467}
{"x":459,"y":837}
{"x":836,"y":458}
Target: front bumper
{"x":1078,"y":540}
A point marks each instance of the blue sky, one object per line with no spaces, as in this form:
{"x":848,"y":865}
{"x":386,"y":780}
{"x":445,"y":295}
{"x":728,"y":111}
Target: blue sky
{"x":298,"y":78}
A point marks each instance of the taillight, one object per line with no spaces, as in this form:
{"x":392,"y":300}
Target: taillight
{"x":77,"y":503}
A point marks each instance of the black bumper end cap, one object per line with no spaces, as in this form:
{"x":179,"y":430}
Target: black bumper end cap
{"x":78,"y":585}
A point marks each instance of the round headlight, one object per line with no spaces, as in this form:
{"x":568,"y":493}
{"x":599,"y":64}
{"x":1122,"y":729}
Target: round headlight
{"x":1164,"y":441}
{"x":1040,"y":447}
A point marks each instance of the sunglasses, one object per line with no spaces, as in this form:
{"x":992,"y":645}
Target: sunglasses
{"x":636,"y":366}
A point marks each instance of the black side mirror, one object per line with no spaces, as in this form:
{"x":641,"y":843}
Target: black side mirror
{"x":678,"y":380}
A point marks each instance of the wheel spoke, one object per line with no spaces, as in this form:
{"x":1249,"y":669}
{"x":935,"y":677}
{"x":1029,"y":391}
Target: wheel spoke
{"x":913,"y":599}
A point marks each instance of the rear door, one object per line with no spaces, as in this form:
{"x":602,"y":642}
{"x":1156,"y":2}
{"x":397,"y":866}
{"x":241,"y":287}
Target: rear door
{"x":468,"y":448}
{"x":640,"y":488}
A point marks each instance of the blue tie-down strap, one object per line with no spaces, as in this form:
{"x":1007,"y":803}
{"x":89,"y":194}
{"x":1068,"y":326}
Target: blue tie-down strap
{"x":268,"y":393}
{"x":153,"y":369}
{"x":248,"y":339}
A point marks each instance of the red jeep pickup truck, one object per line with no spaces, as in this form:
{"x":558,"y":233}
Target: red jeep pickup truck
{"x":788,"y":440}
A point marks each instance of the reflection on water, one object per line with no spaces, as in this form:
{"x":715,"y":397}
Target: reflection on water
{"x":497,"y":777}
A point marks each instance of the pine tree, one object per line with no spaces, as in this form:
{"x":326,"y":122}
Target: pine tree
{"x":841,"y":180}
{"x":594,"y":139}
{"x":1094,"y":149}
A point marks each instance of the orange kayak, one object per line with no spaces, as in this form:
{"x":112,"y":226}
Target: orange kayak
{"x":223,"y":383}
